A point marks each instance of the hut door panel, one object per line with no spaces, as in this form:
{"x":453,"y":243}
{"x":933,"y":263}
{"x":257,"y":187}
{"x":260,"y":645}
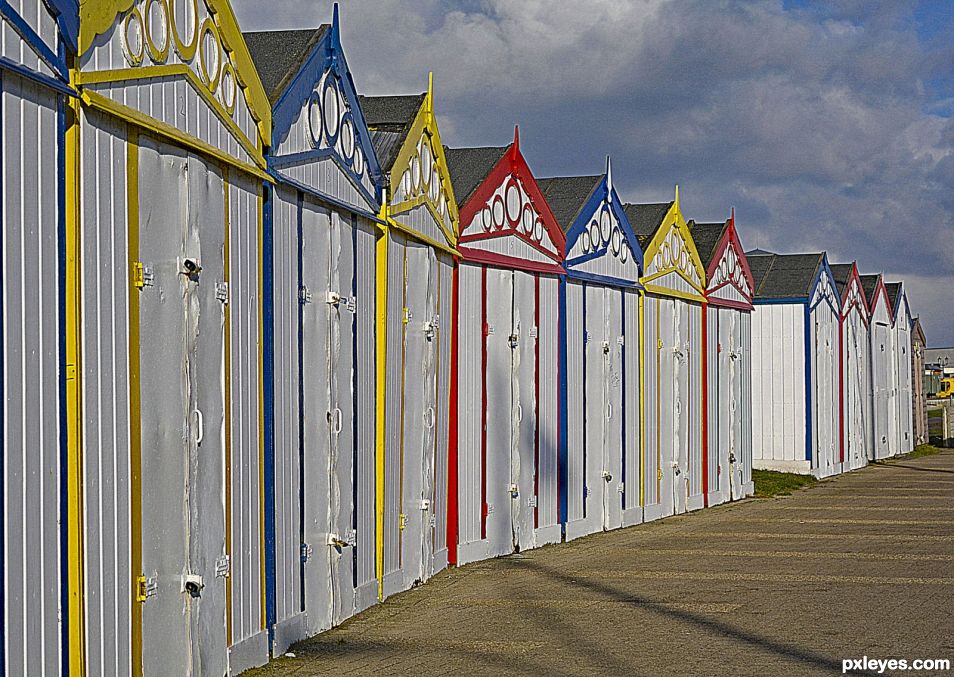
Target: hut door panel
{"x":167,"y":342}
{"x":523,"y":468}
{"x":880,"y":359}
{"x":501,"y":415}
{"x":430,"y":504}
{"x":734,"y":360}
{"x":595,"y":372}
{"x":342,"y":388}
{"x":207,"y":481}
{"x":182,"y":233}
{"x":653,"y":345}
{"x":612,"y":474}
{"x":629,"y":480}
{"x":575,"y":414}
{"x":318,"y":417}
{"x":679,"y":458}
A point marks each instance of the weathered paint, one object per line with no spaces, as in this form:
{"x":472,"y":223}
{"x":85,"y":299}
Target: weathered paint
{"x":882,"y":366}
{"x":901,"y":336}
{"x":201,"y":167}
{"x":855,"y":375}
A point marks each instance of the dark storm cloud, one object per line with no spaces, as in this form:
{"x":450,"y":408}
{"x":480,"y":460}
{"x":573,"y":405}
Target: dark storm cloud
{"x":822,"y":124}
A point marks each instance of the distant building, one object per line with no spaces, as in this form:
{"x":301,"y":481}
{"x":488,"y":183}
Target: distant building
{"x":919,"y":399}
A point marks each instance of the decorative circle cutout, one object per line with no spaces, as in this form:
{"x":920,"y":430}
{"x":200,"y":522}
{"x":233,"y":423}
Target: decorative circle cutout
{"x":665,"y":255}
{"x":185,"y":48}
{"x":498,"y":208}
{"x":210,"y":54}
{"x":486,"y":219}
{"x":512,"y":199}
{"x":415,"y":174}
{"x":538,"y":231}
{"x":331,"y":110}
{"x":435,"y":185}
{"x":606,"y":224}
{"x":617,"y":241}
{"x":314,"y":118}
{"x":134,"y":46}
{"x":595,"y":235}
{"x":427,"y":163}
{"x":157,"y":23}
{"x":228,"y":88}
{"x":585,"y":241}
{"x":624,"y":253}
{"x":357,"y":162}
{"x":529,"y":218}
{"x":346,"y":137}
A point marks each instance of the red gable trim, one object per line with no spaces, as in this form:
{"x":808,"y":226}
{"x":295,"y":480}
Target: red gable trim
{"x":882,"y":292}
{"x":855,"y":278}
{"x":471,"y":255}
{"x":731,"y":239}
{"x":513,"y":163}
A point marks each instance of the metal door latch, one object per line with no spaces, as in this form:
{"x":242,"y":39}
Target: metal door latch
{"x":425,"y":504}
{"x":430,"y":328}
{"x":514,"y":490}
{"x":333,"y":298}
{"x":607,"y":475}
{"x":514,"y":341}
{"x":677,"y":470}
{"x":192,"y":584}
{"x":142,"y":275}
{"x":304,"y":296}
{"x":146,"y":588}
{"x":606,"y":347}
{"x":731,"y":458}
{"x":223,"y":567}
{"x":335,"y":541}
{"x":305,"y":552}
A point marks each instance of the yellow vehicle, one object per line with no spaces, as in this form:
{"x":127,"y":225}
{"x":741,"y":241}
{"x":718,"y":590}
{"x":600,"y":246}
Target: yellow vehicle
{"x":947,"y":388}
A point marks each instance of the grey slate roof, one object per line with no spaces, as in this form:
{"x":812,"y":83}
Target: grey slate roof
{"x":567,"y":195}
{"x":279,"y":55}
{"x":841,"y":271}
{"x":759,"y":252}
{"x":390,"y":118}
{"x":869,"y":283}
{"x":783,"y":276}
{"x":469,"y":167}
{"x":707,"y":237}
{"x":894,"y":291}
{"x":646,"y":219}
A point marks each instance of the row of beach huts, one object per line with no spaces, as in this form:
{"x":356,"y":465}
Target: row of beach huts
{"x":271,"y":352}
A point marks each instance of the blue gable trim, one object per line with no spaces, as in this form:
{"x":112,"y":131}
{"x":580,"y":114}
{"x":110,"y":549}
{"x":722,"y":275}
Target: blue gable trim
{"x":603,"y":280}
{"x":327,"y":56}
{"x":67,"y":17}
{"x":604,"y":192}
{"x":330,"y":200}
{"x":825,"y":269}
{"x":280,"y":162}
{"x":36,"y":43}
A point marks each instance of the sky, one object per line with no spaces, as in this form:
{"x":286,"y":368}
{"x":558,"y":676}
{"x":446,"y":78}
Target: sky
{"x":828,"y":126}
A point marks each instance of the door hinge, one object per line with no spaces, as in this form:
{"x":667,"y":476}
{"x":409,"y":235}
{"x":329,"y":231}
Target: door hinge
{"x":142,"y":275}
{"x":305,"y":552}
{"x":222,"y":292}
{"x":351,"y":304}
{"x":488,"y":508}
{"x":659,"y":344}
{"x":532,"y":502}
{"x":432,"y":521}
{"x":146,"y":588}
{"x":304,"y":296}
{"x":488,"y":329}
{"x":586,"y":337}
{"x":407,"y":315}
{"x":659,"y":473}
{"x":534,"y":332}
{"x":621,"y":488}
{"x":223,"y":567}
{"x":402,"y":521}
{"x":431,"y":328}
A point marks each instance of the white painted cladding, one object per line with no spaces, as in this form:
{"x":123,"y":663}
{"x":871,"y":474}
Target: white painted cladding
{"x":30,"y":427}
{"x":904,"y":413}
{"x":778,"y":387}
{"x":37,"y":17}
{"x":856,"y":388}
{"x":883,"y":363}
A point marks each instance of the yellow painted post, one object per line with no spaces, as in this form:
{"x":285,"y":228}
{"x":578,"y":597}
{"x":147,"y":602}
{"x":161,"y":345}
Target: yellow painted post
{"x":135,"y":408}
{"x":74,"y":469}
{"x":381,"y":322}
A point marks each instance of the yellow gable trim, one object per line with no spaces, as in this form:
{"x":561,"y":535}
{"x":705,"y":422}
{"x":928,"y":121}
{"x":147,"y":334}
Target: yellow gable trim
{"x":97,"y":17}
{"x":425,"y":124}
{"x":674,"y":221}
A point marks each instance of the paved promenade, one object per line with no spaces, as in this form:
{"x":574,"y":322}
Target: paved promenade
{"x":860,"y":565}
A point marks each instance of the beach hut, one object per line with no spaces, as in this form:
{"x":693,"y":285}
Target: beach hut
{"x":672,"y":353}
{"x":795,"y":367}
{"x":320,"y":237}
{"x":918,"y":396}
{"x":901,"y":374}
{"x":169,"y":164}
{"x":854,"y":375}
{"x":883,"y":366}
{"x":37,"y":38}
{"x":600,"y":364}
{"x":415,"y":315}
{"x":727,"y":368}
{"x":504,"y":489}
